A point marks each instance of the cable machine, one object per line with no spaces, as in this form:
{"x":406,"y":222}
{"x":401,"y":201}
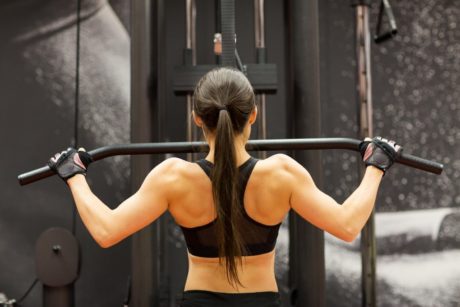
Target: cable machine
{"x":365,"y":125}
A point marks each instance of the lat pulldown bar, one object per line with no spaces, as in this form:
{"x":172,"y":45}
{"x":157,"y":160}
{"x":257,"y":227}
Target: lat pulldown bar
{"x":254,"y":145}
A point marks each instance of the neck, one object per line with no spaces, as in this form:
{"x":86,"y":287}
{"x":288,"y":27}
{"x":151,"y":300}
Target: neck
{"x":240,"y":148}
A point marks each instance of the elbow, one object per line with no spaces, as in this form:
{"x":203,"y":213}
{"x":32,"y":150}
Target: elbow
{"x":104,"y":243}
{"x":349,"y":228}
{"x":349,"y":232}
{"x":348,"y":236}
{"x":105,"y":239}
{"x":106,"y":233}
{"x":345,"y":234}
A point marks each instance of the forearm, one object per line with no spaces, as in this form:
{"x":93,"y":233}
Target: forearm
{"x":107,"y":226}
{"x":359,"y":205}
{"x":96,"y":216}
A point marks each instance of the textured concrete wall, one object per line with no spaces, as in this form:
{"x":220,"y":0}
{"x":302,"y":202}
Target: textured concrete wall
{"x":415,"y":86}
{"x":37,"y":81}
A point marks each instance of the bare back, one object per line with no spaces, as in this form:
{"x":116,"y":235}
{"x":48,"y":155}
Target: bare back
{"x":265,"y":201}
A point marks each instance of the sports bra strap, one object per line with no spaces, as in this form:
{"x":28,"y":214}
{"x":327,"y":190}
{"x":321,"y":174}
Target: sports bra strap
{"x":245,"y":169}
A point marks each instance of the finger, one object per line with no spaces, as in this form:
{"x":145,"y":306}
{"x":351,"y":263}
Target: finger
{"x":367,"y":139}
{"x":53,"y":159}
{"x":81,"y":149}
{"x":398,"y":148}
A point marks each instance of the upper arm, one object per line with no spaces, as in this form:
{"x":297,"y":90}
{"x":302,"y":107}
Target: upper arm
{"x":148,"y":203}
{"x":311,"y":203}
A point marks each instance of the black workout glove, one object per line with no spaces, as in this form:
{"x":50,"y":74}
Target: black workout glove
{"x":70,"y":162}
{"x":379,"y":152}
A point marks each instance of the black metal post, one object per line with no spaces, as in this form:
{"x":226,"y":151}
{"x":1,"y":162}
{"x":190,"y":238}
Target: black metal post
{"x":307,"y":268}
{"x":190,"y":31}
{"x":365,"y":124}
{"x":147,"y":27}
{"x":58,"y":296}
{"x":259,"y":29}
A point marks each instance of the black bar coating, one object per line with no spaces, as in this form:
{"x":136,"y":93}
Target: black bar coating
{"x":254,"y":145}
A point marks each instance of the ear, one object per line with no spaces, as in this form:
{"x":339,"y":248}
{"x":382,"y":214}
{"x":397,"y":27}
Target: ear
{"x":198,"y":121}
{"x":253,"y":116}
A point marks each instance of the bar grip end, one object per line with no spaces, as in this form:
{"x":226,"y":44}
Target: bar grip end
{"x":35,"y":175}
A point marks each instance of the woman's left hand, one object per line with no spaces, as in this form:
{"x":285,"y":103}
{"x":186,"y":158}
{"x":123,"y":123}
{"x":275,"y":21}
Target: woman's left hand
{"x":70,"y":162}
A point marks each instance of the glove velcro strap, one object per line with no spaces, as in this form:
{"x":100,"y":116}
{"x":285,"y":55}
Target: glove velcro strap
{"x":387,"y":148}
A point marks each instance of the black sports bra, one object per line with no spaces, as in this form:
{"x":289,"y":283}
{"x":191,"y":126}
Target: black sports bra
{"x":258,"y":238}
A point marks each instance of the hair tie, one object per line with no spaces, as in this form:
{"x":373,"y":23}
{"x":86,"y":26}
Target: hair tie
{"x":222,"y":108}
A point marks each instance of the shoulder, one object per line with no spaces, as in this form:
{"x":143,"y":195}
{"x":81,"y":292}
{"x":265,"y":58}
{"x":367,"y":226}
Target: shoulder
{"x":171,"y":170}
{"x":282,"y":163}
{"x":281,"y":167}
{"x":172,"y":165}
{"x":172,"y":178}
{"x":280,"y":159}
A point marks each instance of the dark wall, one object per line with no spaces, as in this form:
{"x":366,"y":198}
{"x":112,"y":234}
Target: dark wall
{"x":37,"y":119}
{"x":416,"y":100}
{"x":415,"y":96}
{"x":415,"y":81}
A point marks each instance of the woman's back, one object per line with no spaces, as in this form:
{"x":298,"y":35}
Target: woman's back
{"x":265,"y":202}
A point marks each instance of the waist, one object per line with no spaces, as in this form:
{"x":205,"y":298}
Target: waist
{"x":231,"y":295}
{"x":256,"y":273}
{"x":208,"y":298}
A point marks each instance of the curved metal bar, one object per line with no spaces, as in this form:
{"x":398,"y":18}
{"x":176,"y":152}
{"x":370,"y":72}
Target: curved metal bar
{"x":253,"y":145}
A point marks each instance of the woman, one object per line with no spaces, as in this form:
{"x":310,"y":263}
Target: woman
{"x":229,"y":205}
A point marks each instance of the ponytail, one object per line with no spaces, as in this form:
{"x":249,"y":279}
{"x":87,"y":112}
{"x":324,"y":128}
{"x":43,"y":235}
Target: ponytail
{"x":224,"y":187}
{"x":224,"y":99}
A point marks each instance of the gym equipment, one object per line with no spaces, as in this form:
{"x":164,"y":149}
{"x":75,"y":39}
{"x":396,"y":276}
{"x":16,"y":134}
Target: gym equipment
{"x":263,"y":76}
{"x":254,"y":145}
{"x":380,"y":37}
{"x":57,"y":261}
{"x":261,"y":51}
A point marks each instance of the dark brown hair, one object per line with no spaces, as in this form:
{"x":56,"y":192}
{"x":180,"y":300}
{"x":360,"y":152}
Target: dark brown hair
{"x":224,"y":99}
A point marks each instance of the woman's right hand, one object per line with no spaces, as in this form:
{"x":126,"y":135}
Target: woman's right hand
{"x":379,"y":152}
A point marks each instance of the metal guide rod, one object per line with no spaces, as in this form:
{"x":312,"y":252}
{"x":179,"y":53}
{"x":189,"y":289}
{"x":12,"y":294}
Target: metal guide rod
{"x":253,"y":145}
{"x":368,"y":243}
{"x":259,"y":20}
{"x":259,"y":27}
{"x":191,"y":26}
{"x":190,"y":8}
{"x":364,"y":70}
